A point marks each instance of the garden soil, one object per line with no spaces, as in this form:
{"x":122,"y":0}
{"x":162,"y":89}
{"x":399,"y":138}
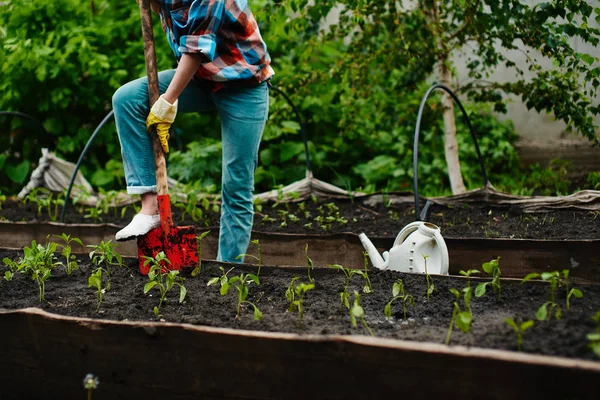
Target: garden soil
{"x":469,"y":220}
{"x":324,"y":313}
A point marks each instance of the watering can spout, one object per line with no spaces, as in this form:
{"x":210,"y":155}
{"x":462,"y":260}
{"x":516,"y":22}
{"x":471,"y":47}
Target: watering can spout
{"x":376,"y":259}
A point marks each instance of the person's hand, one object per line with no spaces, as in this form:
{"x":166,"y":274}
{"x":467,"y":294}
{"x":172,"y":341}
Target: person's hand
{"x":162,"y":114}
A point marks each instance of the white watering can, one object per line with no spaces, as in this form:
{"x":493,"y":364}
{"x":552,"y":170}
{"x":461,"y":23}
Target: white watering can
{"x":417,"y":243}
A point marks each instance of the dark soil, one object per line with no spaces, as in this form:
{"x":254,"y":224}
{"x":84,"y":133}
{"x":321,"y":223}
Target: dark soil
{"x":342,"y":215}
{"x":427,"y":321}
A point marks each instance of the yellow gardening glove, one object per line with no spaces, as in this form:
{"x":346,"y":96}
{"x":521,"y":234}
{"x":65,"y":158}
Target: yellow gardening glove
{"x":162,"y":114}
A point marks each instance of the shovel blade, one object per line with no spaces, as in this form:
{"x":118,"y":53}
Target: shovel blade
{"x":179,"y":245}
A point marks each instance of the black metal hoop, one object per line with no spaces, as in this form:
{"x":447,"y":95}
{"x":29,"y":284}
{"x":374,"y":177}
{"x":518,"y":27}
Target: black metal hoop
{"x":85,"y":150}
{"x":416,"y":141}
{"x":299,"y":118}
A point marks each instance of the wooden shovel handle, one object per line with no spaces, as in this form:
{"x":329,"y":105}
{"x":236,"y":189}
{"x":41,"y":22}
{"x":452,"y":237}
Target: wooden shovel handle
{"x":150,"y":55}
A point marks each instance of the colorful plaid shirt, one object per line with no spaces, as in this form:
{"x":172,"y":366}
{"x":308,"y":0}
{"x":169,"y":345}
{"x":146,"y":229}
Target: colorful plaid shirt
{"x":225,"y":33}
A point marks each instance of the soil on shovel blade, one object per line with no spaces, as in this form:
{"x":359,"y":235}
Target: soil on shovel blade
{"x":472,"y":220}
{"x":324,"y":312}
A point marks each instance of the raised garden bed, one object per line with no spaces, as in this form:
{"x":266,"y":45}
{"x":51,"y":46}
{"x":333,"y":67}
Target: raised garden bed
{"x":474,"y":230}
{"x":203,"y":351}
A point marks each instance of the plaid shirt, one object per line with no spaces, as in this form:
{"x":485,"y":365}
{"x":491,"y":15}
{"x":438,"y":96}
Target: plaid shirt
{"x":225,"y":33}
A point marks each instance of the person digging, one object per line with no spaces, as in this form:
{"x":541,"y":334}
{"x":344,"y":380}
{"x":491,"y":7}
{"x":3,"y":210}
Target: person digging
{"x":223,"y":66}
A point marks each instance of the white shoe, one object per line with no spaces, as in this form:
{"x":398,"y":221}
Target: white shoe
{"x":139,"y":226}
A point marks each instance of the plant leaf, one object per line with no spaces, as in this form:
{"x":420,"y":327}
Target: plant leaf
{"x":149,"y":285}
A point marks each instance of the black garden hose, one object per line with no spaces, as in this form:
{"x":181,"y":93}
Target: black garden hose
{"x":424,"y":217}
{"x":85,"y":149}
{"x":26,"y":116}
{"x":299,"y":118}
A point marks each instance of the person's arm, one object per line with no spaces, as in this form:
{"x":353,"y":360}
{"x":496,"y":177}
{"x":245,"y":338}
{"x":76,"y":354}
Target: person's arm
{"x":187,"y":67}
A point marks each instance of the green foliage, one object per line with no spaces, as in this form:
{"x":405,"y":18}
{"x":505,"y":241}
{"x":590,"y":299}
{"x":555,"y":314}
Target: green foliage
{"x":555,"y":279}
{"x":491,"y":268}
{"x":38,"y":262}
{"x":462,"y":318}
{"x":95,"y":280}
{"x":357,"y":311}
{"x":594,"y":337}
{"x":241,"y":283}
{"x":199,"y":239}
{"x":63,"y":61}
{"x":160,"y":277}
{"x":398,"y":293}
{"x":295,"y":294}
{"x":348,"y":274}
{"x":309,"y":263}
{"x":256,"y":257}
{"x":70,"y":263}
{"x":519,"y":329}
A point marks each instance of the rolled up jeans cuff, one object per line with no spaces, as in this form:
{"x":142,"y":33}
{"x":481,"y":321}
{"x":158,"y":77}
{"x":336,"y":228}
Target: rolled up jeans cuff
{"x":141,"y":189}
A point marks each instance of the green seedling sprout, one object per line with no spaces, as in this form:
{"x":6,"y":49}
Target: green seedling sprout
{"x":594,"y":338}
{"x":569,"y":292}
{"x":348,"y":273}
{"x":39,"y":261}
{"x":468,"y":290}
{"x":241,"y":284}
{"x":492,"y":268}
{"x":90,"y":383}
{"x":163,"y":279}
{"x":13,"y":268}
{"x":295,"y":294}
{"x":95,"y":281}
{"x":428,"y":278}
{"x":398,"y":293}
{"x":462,"y":319}
{"x":70,"y":263}
{"x":554,"y":280}
{"x":199,"y":239}
{"x":519,"y":329}
{"x":356,"y":311}
{"x":257,"y":257}
{"x":104,"y":255}
{"x":309,"y":263}
{"x":368,"y":288}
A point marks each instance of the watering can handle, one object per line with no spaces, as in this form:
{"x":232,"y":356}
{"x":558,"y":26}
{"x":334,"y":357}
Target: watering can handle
{"x":150,"y":56}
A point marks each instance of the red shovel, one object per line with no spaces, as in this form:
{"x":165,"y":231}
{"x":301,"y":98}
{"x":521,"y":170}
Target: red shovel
{"x":177,"y":242}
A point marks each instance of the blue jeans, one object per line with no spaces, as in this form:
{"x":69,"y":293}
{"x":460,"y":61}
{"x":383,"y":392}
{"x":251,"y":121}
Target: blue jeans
{"x":243,"y":113}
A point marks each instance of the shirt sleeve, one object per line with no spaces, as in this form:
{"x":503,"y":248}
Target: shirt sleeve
{"x":204,"y":18}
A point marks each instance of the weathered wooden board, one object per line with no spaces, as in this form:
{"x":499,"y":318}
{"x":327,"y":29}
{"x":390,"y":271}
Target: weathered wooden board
{"x":45,"y":356}
{"x":518,"y":256}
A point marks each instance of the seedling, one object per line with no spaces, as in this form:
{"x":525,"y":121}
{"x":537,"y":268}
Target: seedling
{"x":428,"y":278}
{"x":163,"y":279}
{"x":295,"y":294}
{"x":594,"y":338}
{"x":199,"y":239}
{"x":348,"y":273}
{"x":104,"y":255}
{"x":368,"y":288}
{"x":462,"y":318}
{"x":309,"y":263}
{"x":519,"y":329}
{"x":398,"y":293}
{"x":95,"y":281}
{"x":555,"y":279}
{"x":241,"y":284}
{"x":13,"y":268}
{"x":257,"y":257}
{"x":358,"y":312}
{"x":468,"y":290}
{"x":492,"y":268}
{"x":38,"y":263}
{"x":564,"y":281}
{"x":70,"y":263}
